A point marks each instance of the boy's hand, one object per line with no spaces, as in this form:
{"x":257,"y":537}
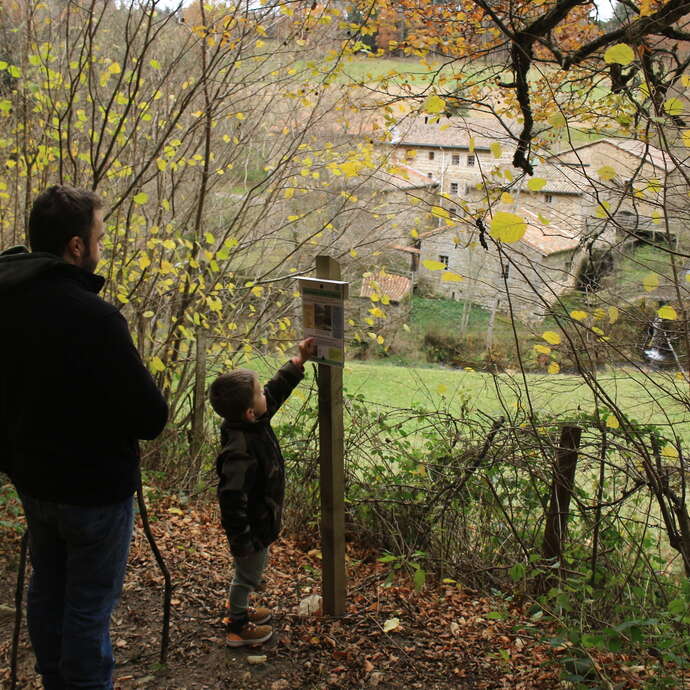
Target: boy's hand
{"x":307,"y":349}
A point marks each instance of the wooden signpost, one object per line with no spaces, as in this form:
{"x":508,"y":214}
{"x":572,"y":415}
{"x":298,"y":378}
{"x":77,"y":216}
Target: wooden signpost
{"x":331,"y":457}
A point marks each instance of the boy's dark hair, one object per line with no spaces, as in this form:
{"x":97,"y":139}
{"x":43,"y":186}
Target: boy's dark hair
{"x":60,"y":213}
{"x":232,"y":394}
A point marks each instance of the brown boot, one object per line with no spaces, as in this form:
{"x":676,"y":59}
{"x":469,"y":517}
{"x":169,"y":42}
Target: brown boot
{"x":249,"y":635}
{"x":257,"y":615}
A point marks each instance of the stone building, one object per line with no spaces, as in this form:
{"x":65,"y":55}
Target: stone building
{"x":636,"y":190}
{"x":468,"y":159}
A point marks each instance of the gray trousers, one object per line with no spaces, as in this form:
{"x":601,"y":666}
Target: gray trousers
{"x":248,"y":571}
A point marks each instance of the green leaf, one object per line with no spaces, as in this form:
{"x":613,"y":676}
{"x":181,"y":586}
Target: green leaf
{"x":517,"y":572}
{"x":620,"y":54}
{"x":419,"y":579}
{"x":140,"y":198}
{"x":14,"y":71}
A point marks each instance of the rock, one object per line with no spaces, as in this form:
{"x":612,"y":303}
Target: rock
{"x":310,"y":606}
{"x":375,"y":679}
{"x":254,"y":660}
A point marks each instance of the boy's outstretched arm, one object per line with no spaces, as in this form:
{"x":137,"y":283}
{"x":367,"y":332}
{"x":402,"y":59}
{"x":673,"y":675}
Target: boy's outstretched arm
{"x":278,"y":389}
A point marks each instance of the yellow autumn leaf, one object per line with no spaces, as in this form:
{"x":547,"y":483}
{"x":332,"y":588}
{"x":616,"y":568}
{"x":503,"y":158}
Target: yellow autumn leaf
{"x":606,"y":173}
{"x":554,"y":368}
{"x":434,"y":104}
{"x":542,"y":349}
{"x":441,"y":388}
{"x":148,"y":314}
{"x":496,"y":149}
{"x":603,"y":209}
{"x":551,"y":337}
{"x":578,"y":315}
{"x":536,"y":183}
{"x":543,"y":220}
{"x":507,"y":198}
{"x":667,"y":312}
{"x":140,"y":198}
{"x":432,"y":265}
{"x":157,"y":364}
{"x":557,"y":120}
{"x":439,"y":212}
{"x":379,"y":339}
{"x":450,"y":277}
{"x":612,"y":422}
{"x":507,"y":227}
{"x":144,"y":262}
{"x":669,"y":451}
{"x":650,"y":282}
{"x":257,"y":290}
{"x":674,"y":106}
{"x":613,"y":314}
{"x":620,"y":54}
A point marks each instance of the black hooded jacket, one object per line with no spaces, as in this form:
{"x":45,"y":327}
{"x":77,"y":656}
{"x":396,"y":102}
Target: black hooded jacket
{"x":74,"y":393}
{"x":251,"y":472}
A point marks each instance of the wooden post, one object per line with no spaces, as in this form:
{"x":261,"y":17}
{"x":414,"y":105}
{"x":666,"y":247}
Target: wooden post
{"x":331,"y":463}
{"x":561,"y":492}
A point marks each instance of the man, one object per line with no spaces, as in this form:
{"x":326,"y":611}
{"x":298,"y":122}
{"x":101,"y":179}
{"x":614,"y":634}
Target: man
{"x":74,"y":399}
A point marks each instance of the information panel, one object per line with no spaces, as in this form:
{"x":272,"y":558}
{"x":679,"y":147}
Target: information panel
{"x":323,"y":315}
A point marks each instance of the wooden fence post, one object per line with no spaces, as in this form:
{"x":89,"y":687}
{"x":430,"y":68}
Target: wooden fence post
{"x":561,"y":492}
{"x":332,"y":472}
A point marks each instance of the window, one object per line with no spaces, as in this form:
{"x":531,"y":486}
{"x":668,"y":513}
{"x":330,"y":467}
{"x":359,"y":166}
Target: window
{"x":471,"y":160}
{"x":454,"y":187}
{"x":548,"y":198}
{"x":429,"y":175}
{"x":455,"y":159}
{"x":443,"y":259}
{"x":432,"y":155}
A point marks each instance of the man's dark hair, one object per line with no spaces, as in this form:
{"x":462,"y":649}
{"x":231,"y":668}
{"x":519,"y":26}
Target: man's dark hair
{"x":60,"y":213}
{"x":232,"y":394}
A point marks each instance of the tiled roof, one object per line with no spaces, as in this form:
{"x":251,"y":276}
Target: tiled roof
{"x":639,"y":149}
{"x":396,"y":287}
{"x":547,"y":239}
{"x":560,"y":179}
{"x":451,"y":133}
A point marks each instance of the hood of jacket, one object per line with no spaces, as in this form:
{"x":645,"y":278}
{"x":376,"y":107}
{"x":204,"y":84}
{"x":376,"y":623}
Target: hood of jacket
{"x":18,"y":266}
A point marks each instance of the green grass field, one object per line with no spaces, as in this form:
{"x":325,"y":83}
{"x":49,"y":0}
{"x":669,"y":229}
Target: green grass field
{"x":644,"y":399}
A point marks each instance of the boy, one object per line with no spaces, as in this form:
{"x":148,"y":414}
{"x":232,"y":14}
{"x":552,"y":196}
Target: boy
{"x":251,"y":488}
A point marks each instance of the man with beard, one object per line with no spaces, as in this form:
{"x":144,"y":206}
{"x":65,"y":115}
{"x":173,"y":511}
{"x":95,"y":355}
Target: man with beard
{"x":75,"y":398}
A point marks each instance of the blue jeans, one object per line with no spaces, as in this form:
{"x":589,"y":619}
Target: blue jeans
{"x":79,"y":556}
